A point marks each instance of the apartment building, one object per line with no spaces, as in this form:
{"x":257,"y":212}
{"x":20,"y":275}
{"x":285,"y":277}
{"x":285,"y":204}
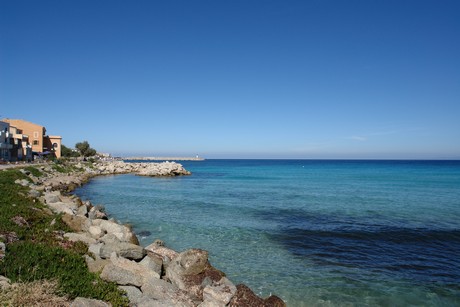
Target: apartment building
{"x":5,"y":142}
{"x":41,"y":144}
{"x":14,"y":146}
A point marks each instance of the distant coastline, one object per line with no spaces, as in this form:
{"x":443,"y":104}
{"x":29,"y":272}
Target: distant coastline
{"x":164,"y":158}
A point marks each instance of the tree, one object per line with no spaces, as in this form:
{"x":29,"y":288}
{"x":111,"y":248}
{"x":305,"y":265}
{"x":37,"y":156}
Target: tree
{"x":67,"y":152}
{"x":84,"y":149}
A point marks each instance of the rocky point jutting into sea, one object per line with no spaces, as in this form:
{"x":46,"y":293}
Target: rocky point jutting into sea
{"x":152,"y":276}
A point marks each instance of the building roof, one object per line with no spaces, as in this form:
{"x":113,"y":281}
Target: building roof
{"x":26,"y":121}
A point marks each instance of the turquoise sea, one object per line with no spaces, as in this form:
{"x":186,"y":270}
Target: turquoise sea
{"x":314,"y":232}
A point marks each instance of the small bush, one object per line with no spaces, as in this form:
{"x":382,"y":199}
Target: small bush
{"x":34,"y":171}
{"x":27,"y":262}
{"x":60,"y":168}
{"x":14,"y":203}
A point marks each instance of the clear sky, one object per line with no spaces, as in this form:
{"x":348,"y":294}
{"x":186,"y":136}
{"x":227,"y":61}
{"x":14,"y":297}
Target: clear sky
{"x":239,"y":78}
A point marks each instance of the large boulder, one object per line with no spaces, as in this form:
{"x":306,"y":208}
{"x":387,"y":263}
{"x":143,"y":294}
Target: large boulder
{"x":95,"y":213}
{"x":52,"y":197}
{"x":83,"y":237}
{"x":126,"y":272}
{"x":60,"y":207}
{"x":95,"y":232}
{"x":133,"y":293}
{"x":188,"y":271}
{"x":121,"y":275}
{"x":76,"y":222}
{"x":122,"y":232}
{"x":82,"y":210}
{"x":95,"y":249}
{"x":153,"y":262}
{"x":122,"y":249}
{"x":96,"y":265}
{"x":245,"y":297}
{"x":219,"y":293}
{"x":165,"y":253}
{"x":166,"y":293}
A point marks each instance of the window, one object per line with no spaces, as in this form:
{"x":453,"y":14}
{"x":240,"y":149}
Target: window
{"x":35,"y":142}
{"x":35,"y":134}
{"x":55,"y":145}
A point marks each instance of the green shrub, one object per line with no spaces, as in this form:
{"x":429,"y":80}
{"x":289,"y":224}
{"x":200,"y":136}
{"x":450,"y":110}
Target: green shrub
{"x":34,"y":171}
{"x":14,"y":203}
{"x":38,"y":254}
{"x":60,"y":169}
{"x":28,"y":261}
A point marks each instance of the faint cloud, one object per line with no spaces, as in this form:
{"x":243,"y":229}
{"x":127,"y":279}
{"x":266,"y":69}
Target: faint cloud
{"x":357,"y":138}
{"x":367,"y":136}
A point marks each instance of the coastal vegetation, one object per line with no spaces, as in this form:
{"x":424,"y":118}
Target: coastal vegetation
{"x":85,"y":149}
{"x":68,"y":152}
{"x":82,"y":149}
{"x":36,"y":249}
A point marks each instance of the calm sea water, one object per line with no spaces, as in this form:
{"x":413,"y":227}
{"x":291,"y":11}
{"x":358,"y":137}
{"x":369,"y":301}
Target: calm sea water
{"x":315,"y":233}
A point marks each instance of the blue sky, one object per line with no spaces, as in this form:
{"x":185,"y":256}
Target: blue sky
{"x":237,"y":79}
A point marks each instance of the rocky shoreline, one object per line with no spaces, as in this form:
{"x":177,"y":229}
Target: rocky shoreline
{"x":152,"y":276}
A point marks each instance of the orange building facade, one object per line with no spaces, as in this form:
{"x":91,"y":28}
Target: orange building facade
{"x":40,"y":142}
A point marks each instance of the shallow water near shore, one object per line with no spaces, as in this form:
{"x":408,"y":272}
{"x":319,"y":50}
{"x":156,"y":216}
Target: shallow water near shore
{"x":314,"y":232}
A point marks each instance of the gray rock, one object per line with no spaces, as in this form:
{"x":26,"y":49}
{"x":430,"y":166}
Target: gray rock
{"x":82,"y":210}
{"x":96,"y":249}
{"x":220,"y":293}
{"x":60,"y":207}
{"x":24,"y":171}
{"x":153,"y":262}
{"x":95,"y":232}
{"x":190,"y":271}
{"x":246,"y":297}
{"x":148,"y":302}
{"x":121,"y":275}
{"x":51,"y":198}
{"x":189,"y":263}
{"x":122,"y":249}
{"x":122,"y":232}
{"x":77,"y":223}
{"x":108,"y":238}
{"x":160,"y":290}
{"x":166,"y":253}
{"x":23,"y":182}
{"x":83,"y":237}
{"x":127,"y":272}
{"x":96,"y":266}
{"x":95,"y":213}
{"x":34,"y":193}
{"x":133,"y":293}
{"x":88,"y":302}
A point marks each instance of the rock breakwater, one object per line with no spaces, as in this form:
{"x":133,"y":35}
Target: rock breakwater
{"x":142,"y":169}
{"x":152,"y":276}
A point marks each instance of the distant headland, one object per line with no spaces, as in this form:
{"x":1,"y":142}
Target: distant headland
{"x":197,"y":158}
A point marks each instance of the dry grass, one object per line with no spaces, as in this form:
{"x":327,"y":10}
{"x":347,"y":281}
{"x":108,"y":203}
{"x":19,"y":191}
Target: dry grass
{"x":38,"y":293}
